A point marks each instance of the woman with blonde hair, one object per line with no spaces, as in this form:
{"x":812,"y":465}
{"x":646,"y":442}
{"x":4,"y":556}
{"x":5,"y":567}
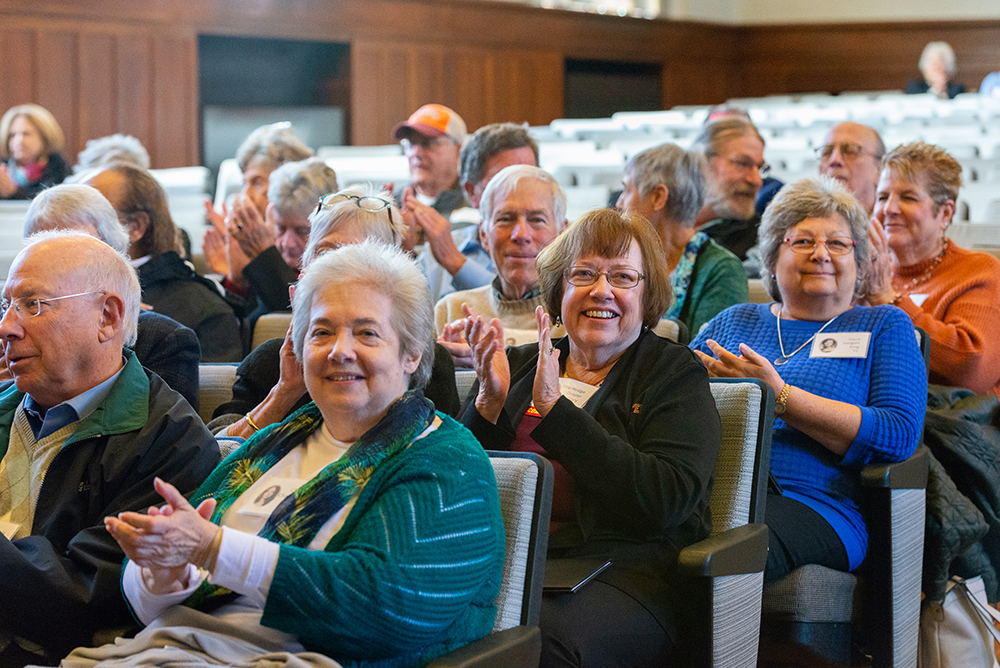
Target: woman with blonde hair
{"x":31,"y":144}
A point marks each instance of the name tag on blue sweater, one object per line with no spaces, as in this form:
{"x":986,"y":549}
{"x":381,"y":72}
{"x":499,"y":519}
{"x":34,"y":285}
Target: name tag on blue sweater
{"x":841,"y":344}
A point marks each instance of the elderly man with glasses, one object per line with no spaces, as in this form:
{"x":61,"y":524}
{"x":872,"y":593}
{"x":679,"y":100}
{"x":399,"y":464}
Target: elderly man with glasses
{"x":432,"y":138}
{"x":84,"y":431}
{"x":852,"y":154}
{"x":734,"y":173}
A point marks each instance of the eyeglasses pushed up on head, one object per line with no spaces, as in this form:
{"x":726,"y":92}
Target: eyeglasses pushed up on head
{"x":584,"y":277}
{"x":32,"y":306}
{"x":369,"y":203}
{"x":834,"y":246}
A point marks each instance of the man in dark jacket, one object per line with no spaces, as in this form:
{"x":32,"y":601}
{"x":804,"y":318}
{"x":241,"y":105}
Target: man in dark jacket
{"x":83,"y":433}
{"x":169,"y":284}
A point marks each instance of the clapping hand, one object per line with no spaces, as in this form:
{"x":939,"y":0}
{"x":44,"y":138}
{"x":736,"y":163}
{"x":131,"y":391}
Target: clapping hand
{"x":490,"y":362}
{"x":168,"y":538}
{"x":453,"y":339}
{"x":247,"y":226}
{"x":748,"y":364}
{"x":545,"y":391}
{"x":880,"y":290}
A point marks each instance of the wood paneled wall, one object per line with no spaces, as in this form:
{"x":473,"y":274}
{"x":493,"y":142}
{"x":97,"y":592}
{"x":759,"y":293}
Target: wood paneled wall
{"x":391,"y":80}
{"x":104,"y":66}
{"x":99,"y":79}
{"x":856,"y":57}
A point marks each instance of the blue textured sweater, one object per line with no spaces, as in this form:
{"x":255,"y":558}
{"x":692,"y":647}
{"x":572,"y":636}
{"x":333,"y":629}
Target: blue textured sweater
{"x":890,"y":386}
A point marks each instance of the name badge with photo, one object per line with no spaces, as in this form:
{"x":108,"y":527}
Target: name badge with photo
{"x":841,"y":344}
{"x":266,"y":497}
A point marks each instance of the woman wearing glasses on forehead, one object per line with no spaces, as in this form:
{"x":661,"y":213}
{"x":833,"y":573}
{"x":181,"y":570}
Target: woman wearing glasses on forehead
{"x":849,"y":381}
{"x":627,"y":419}
{"x":951,"y":293}
{"x":269,"y":384}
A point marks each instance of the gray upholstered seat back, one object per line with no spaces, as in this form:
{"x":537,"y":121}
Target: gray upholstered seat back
{"x":516,"y":481}
{"x":741,"y":408}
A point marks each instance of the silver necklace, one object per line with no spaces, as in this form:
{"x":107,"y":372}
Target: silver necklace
{"x":783,"y":358}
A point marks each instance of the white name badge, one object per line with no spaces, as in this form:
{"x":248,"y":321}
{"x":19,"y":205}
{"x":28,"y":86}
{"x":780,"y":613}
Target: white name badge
{"x":841,"y":344}
{"x":8,"y":529}
{"x":268,"y":495}
{"x":576,"y":391}
{"x":918,"y":299}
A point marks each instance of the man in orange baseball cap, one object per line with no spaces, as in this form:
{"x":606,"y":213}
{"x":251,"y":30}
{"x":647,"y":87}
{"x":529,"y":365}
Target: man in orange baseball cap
{"x":432,"y":138}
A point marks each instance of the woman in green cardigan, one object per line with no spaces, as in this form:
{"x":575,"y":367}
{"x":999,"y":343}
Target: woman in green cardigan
{"x":365,"y":526}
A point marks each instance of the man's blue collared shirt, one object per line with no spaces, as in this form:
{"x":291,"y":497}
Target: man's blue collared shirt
{"x":44,"y":423}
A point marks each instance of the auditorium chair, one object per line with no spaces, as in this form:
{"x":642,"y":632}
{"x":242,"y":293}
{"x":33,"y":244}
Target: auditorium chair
{"x":724,"y":573}
{"x":525,"y":484}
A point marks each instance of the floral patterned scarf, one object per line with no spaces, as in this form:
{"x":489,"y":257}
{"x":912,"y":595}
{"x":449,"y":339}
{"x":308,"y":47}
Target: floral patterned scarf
{"x":300,"y":516}
{"x":680,"y":279}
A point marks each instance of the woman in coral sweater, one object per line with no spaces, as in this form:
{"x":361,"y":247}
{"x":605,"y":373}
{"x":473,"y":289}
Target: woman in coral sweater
{"x":951,"y":293}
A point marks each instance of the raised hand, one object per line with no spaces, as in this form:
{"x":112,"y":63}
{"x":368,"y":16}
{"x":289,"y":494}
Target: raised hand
{"x":453,"y":339}
{"x":7,"y":187}
{"x":247,"y":226}
{"x":490,"y":362}
{"x":880,"y":290}
{"x":437,"y":232}
{"x":748,"y":364}
{"x":545,"y":391}
{"x":176,"y":534}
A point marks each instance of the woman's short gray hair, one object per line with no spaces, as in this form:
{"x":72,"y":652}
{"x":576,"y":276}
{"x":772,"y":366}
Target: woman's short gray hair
{"x":337,"y":211}
{"x":387,"y":270}
{"x":295,"y":187}
{"x":277,"y":143}
{"x":505,"y":182}
{"x":941,"y":50}
{"x":77,"y":207}
{"x":817,"y":197}
{"x":110,"y":271}
{"x":679,"y":170}
{"x":113,"y":148}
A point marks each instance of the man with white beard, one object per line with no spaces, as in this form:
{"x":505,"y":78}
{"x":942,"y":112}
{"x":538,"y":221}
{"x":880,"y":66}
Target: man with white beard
{"x":734,"y":173}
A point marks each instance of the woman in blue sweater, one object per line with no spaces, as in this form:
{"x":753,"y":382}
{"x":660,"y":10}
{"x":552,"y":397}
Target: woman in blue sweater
{"x":365,"y":526}
{"x":850,"y":382}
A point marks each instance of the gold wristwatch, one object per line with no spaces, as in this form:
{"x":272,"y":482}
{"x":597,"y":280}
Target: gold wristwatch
{"x":779,"y":403}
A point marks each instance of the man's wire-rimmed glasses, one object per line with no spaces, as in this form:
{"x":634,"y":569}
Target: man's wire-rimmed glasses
{"x":32,"y":306}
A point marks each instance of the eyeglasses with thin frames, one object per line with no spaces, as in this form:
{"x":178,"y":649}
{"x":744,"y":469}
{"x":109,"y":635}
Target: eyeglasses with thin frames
{"x":849,"y":150}
{"x":32,"y":306}
{"x":584,"y":277}
{"x":834,"y":246}
{"x":369,"y":203}
{"x":746,"y":165}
